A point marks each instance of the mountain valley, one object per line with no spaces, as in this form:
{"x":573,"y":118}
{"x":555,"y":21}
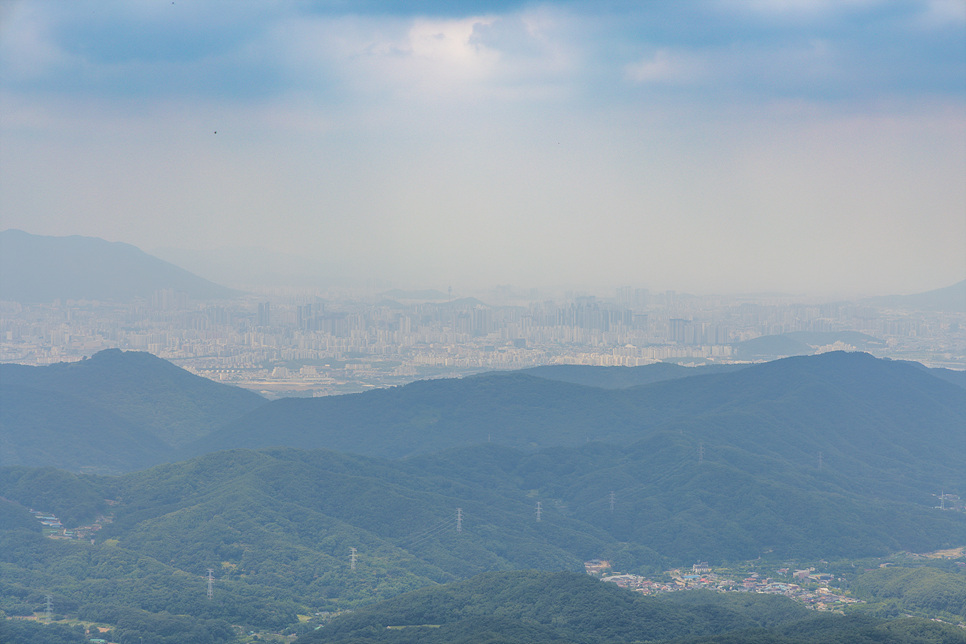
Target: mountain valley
{"x":836,"y":457}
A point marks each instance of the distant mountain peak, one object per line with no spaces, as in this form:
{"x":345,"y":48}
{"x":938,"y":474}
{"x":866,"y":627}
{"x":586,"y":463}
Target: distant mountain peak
{"x":39,"y":268}
{"x":112,"y":398}
{"x":950,"y":298}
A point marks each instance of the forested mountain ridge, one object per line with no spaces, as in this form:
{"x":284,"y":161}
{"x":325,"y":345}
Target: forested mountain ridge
{"x":512,"y":409}
{"x":855,"y":396}
{"x":849,"y":400}
{"x":169,"y":402}
{"x":114,"y":412}
{"x":850,"y":407}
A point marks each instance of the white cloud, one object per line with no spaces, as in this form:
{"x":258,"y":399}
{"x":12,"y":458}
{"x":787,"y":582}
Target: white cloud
{"x":796,"y":9}
{"x":447,"y":41}
{"x":663,"y":67}
{"x":27,"y":49}
{"x":381,"y":59}
{"x":500,"y":147}
{"x":377,"y":60}
{"x":943,"y":13}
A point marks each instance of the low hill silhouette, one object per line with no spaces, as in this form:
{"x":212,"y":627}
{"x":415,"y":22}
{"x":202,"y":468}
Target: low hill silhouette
{"x":950,"y":298}
{"x":40,"y":269}
{"x":116,"y":411}
{"x":171,"y":403}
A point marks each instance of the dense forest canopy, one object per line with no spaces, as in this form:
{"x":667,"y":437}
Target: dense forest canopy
{"x":830,"y":458}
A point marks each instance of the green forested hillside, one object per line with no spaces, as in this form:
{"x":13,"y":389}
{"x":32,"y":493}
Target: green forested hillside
{"x":14,"y":631}
{"x":278,"y":529}
{"x":920,"y":589}
{"x":526,"y":607}
{"x":56,"y":429}
{"x":733,"y":505}
{"x":277,"y":526}
{"x":243,"y":505}
{"x":14,"y":516}
{"x":840,"y":629}
{"x":74,"y":498}
{"x":100,"y":582}
{"x":554,"y":607}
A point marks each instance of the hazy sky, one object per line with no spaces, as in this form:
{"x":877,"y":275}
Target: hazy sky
{"x":716,"y":146}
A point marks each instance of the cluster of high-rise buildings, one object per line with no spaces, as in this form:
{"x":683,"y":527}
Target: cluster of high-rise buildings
{"x":311,"y":344}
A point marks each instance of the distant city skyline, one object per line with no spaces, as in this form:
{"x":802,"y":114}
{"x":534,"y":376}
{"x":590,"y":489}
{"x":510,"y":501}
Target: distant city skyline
{"x":287,"y":342}
{"x":809,"y":147}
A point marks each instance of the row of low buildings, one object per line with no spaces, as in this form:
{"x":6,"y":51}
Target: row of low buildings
{"x":54,"y":528}
{"x":818,"y":595}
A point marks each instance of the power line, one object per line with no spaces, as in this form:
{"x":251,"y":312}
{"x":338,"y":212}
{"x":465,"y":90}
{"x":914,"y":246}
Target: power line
{"x":431,"y":535}
{"x":434,"y":531}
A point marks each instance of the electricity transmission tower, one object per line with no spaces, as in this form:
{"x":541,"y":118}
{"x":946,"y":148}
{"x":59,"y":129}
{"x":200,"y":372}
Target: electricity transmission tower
{"x":49,"y":610}
{"x":459,"y":520}
{"x":539,"y":510}
{"x":211,"y":582}
{"x":352,"y":559}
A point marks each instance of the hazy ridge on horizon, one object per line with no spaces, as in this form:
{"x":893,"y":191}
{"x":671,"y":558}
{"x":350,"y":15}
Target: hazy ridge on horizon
{"x":50,"y":258}
{"x":256,"y":266}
